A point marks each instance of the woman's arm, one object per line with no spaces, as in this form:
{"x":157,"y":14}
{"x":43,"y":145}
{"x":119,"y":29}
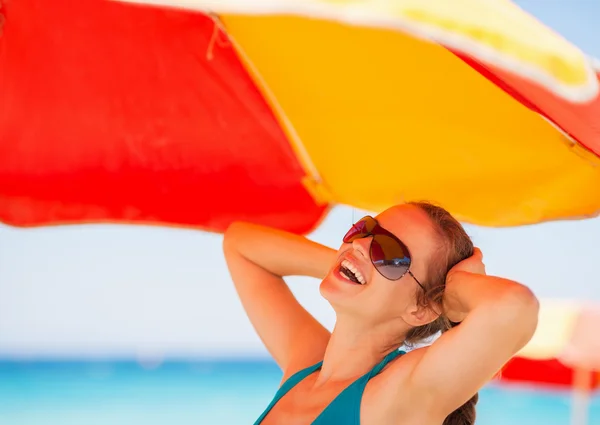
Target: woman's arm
{"x":498,"y":317}
{"x":258,"y":258}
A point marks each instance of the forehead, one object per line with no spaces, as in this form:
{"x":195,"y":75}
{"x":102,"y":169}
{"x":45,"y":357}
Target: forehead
{"x":413,"y":227}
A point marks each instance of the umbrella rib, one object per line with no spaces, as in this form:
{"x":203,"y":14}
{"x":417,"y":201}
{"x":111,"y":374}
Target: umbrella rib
{"x":285,"y":122}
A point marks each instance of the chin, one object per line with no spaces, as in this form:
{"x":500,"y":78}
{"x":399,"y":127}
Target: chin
{"x":338,"y":291}
{"x":328,"y":289}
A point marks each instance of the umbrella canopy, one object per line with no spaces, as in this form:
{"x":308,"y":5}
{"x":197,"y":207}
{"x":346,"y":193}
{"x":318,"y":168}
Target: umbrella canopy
{"x":272,"y":111}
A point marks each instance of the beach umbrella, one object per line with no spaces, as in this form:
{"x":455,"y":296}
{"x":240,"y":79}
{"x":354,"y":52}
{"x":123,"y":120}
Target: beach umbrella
{"x":563,"y":353}
{"x":198,"y":113}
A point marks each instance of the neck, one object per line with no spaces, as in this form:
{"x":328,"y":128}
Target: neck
{"x":355,"y":348}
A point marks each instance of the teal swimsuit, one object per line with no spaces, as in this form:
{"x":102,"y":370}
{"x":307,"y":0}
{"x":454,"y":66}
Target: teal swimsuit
{"x":345,"y":408}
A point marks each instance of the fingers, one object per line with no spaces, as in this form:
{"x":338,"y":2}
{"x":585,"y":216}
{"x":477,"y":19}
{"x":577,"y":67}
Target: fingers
{"x":478,"y":255}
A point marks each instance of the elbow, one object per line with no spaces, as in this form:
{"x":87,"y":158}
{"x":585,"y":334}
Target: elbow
{"x":239,"y":235}
{"x":233,"y":228}
{"x":231,"y":235}
{"x":522,"y":308}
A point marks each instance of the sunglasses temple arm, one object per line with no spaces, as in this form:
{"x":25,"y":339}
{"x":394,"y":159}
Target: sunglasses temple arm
{"x":416,"y":280}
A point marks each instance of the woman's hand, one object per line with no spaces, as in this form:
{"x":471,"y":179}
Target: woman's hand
{"x":454,"y":309}
{"x":473,"y":264}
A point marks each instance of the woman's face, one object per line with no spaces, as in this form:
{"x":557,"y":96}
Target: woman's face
{"x":377,"y":299}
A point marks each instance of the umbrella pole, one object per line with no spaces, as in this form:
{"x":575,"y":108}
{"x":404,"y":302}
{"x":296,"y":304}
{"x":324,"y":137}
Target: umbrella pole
{"x":582,"y":383}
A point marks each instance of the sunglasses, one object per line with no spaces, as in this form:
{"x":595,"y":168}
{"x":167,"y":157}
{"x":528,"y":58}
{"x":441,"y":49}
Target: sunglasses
{"x":388,"y":254}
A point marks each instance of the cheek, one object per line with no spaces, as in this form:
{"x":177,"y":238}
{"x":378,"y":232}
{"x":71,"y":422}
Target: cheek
{"x":381,"y":291}
{"x":400,"y":293}
{"x":420,"y":272}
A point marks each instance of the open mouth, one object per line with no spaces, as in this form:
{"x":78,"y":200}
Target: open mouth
{"x":348,"y":271}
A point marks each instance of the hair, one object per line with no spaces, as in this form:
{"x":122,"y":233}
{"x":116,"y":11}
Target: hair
{"x":455,"y":246}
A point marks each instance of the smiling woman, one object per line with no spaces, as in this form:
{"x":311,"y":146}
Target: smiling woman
{"x":398,"y":278}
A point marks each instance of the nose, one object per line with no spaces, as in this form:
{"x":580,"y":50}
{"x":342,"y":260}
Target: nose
{"x":362,"y":246}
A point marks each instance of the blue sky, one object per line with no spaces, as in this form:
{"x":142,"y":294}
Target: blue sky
{"x":576,"y":20}
{"x":79,"y":291}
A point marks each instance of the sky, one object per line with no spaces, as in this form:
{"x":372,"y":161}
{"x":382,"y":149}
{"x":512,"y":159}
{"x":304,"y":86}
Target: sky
{"x":151,"y":292}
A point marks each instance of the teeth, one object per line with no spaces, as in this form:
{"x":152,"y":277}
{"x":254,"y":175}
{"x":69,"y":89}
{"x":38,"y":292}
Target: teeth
{"x":347,"y":264}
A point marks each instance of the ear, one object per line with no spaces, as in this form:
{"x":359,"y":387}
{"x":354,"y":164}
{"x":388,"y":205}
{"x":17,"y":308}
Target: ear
{"x":421,"y":315}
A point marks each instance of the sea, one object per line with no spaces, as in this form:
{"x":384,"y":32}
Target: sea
{"x":208,"y":392}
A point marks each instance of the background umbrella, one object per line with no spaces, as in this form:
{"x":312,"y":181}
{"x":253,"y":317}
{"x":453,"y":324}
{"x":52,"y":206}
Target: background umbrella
{"x":564,"y":352}
{"x":271,"y":111}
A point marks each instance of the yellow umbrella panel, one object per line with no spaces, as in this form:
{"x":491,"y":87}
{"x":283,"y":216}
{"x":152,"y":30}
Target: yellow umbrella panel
{"x":385,"y":116}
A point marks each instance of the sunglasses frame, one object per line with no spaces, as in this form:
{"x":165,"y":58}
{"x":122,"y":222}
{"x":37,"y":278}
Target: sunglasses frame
{"x":379,"y":230}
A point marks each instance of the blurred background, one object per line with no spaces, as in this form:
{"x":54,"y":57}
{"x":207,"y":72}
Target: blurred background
{"x":125,"y":325}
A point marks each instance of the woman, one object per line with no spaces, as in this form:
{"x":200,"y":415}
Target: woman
{"x":400,"y":278}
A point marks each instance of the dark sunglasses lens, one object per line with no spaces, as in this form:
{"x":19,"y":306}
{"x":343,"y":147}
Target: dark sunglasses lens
{"x":390,"y":257}
{"x":360,"y":229}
